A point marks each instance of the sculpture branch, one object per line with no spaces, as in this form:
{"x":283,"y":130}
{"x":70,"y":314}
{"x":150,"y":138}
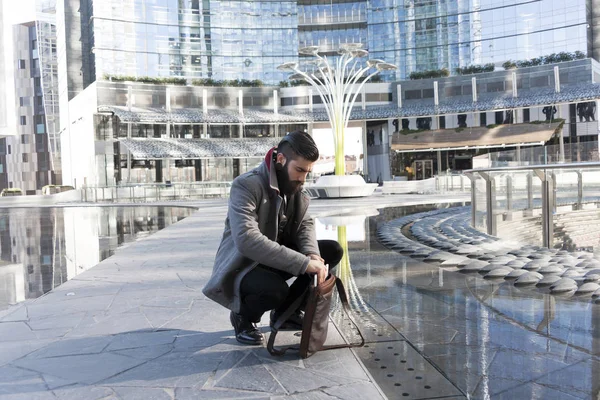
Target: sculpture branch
{"x":338,"y":88}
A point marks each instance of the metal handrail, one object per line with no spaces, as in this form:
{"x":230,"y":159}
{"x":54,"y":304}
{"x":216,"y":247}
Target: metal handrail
{"x":156,"y":191}
{"x":161,"y":184}
{"x":548,"y":191}
{"x":579,"y":165}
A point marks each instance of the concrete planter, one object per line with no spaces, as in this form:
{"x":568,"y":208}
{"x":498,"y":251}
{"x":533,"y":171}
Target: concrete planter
{"x":333,"y":186}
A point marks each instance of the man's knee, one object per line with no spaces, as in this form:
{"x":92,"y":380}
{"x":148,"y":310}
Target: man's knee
{"x":267,"y":298}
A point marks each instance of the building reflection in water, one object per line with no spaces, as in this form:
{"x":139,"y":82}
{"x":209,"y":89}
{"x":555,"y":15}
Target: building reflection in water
{"x":471,"y":328}
{"x":352,"y":232}
{"x":40,"y":248}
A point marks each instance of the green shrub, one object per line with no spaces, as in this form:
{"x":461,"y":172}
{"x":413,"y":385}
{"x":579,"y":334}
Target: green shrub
{"x":293,"y":83}
{"x":145,"y":79}
{"x":233,"y":82}
{"x":206,"y":82}
{"x":172,"y":80}
{"x":510,"y":64}
{"x":299,"y":83}
{"x":547,"y":59}
{"x":475,"y":69}
{"x":434,"y":73}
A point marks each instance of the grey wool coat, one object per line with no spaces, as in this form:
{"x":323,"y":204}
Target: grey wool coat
{"x":250,"y":236}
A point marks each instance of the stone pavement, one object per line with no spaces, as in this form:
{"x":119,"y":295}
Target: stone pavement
{"x":137,"y":326}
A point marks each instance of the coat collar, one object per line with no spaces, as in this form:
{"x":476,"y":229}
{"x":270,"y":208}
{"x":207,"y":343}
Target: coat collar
{"x":271,"y":175}
{"x":270,"y":170}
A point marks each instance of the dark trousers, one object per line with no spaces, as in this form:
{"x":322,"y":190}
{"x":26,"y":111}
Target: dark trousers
{"x":265,"y":288}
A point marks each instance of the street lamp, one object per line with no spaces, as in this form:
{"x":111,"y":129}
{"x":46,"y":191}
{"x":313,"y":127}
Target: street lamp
{"x":338,"y":87}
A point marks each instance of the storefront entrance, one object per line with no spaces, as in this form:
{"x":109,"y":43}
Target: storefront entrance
{"x":423,"y":169}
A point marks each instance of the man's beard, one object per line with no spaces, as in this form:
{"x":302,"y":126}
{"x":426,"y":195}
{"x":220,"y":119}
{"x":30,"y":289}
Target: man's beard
{"x":286,"y":186}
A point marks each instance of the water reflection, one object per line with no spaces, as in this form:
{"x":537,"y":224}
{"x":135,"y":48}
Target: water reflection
{"x":485,"y":337}
{"x":347,"y":228}
{"x":40,"y":248}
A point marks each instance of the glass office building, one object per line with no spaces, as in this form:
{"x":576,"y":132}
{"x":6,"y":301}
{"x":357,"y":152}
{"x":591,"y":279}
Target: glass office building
{"x":30,"y":160}
{"x":331,"y":24}
{"x":425,"y":35}
{"x":193,"y":39}
{"x":232,"y":39}
{"x":433,"y":34}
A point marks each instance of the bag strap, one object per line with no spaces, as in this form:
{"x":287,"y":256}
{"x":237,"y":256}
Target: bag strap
{"x":291,"y":309}
{"x":344,"y":299}
{"x":280,"y":321}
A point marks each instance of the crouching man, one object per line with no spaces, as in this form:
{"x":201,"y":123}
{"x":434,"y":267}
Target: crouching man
{"x":268,"y":239}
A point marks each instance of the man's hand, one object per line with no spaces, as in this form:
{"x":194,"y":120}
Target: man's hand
{"x":317,"y":267}
{"x":316,"y":257}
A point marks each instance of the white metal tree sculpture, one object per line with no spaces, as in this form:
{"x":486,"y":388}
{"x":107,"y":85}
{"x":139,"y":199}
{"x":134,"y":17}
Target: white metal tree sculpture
{"x":338,"y":87}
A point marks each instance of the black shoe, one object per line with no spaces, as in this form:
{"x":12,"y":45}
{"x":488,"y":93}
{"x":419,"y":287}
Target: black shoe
{"x":293,"y":323}
{"x":245,"y":331}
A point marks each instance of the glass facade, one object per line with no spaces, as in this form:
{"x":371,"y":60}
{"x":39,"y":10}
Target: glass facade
{"x":194,"y":39}
{"x":425,"y":35}
{"x":251,"y":38}
{"x":520,"y":30}
{"x":31,"y":160}
{"x":330,"y":25}
{"x":233,"y":39}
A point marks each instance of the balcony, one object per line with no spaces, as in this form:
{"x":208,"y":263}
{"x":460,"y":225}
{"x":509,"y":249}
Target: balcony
{"x":331,"y":47}
{"x":347,"y":17}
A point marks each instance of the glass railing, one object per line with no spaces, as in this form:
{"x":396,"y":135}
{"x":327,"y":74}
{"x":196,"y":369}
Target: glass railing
{"x":554,"y":205}
{"x":451,"y":182}
{"x":350,"y":16}
{"x":329,"y":47}
{"x":156,"y":192}
{"x":535,"y":155}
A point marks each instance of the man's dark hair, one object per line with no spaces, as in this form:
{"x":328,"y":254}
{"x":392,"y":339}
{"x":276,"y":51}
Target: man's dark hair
{"x":298,"y":144}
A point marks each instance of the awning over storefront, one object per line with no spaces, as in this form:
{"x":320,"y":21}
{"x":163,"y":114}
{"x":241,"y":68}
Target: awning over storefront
{"x":154,"y":148}
{"x":479,"y":137}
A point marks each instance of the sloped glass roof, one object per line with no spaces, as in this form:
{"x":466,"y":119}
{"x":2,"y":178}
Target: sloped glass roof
{"x":487,"y":102}
{"x":155,"y":148}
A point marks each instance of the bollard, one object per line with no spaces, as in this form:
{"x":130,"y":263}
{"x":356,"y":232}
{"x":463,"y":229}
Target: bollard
{"x":547,"y":207}
{"x":509,"y":190}
{"x":530,"y":193}
{"x":490,"y":193}
{"x":579,"y":190}
{"x":473,"y":180}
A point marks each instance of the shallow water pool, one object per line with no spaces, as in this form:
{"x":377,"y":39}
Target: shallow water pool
{"x":41,"y":248}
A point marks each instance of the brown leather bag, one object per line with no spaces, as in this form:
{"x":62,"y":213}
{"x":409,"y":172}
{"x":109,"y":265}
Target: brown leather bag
{"x":316,"y":319}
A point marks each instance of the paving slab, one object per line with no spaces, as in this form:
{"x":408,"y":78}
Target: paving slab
{"x":137,"y":326}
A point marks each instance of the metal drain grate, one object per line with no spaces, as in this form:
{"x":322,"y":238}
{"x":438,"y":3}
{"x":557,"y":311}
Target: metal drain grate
{"x":403,"y":373}
{"x":372,"y":326}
